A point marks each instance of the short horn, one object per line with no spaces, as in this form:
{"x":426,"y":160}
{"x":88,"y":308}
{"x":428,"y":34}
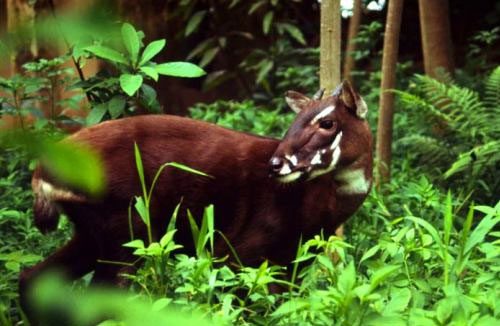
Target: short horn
{"x":319,"y":94}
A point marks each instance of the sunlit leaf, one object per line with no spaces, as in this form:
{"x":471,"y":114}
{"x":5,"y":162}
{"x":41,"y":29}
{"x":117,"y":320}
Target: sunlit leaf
{"x":130,"y":83}
{"x":194,"y":22}
{"x":179,"y":69}
{"x":107,"y":53}
{"x":151,"y":50}
{"x":131,"y":41}
{"x":266,"y":23}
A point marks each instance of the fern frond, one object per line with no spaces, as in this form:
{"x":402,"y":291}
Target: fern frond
{"x":492,"y":91}
{"x":477,"y":159}
{"x":429,"y":151}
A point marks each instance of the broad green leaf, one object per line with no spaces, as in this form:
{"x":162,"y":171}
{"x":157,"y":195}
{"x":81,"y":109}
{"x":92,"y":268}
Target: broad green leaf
{"x":96,"y":114}
{"x":107,"y":53}
{"x":431,"y":229}
{"x":116,"y":106}
{"x":151,"y":72}
{"x":347,"y":279}
{"x":131,"y":41}
{"x":444,"y":310}
{"x":371,"y":252}
{"x":480,"y":231}
{"x":167,"y":238}
{"x":400,"y":298}
{"x":256,"y":6}
{"x":151,"y":50}
{"x":138,"y":243}
{"x":266,"y":66}
{"x":64,"y":158}
{"x":294,"y":32}
{"x":142,"y":210}
{"x":160,"y":304}
{"x":130,"y":83}
{"x":200,"y":48}
{"x":194,"y":22}
{"x":179,"y":69}
{"x":209,"y":55}
{"x":289,"y":307}
{"x":382,"y":274}
{"x":266,"y":23}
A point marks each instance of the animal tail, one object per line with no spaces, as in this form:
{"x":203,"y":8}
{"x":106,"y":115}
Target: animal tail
{"x":45,"y":207}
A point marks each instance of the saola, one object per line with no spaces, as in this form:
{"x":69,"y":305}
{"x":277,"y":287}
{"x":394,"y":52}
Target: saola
{"x":267,"y":193}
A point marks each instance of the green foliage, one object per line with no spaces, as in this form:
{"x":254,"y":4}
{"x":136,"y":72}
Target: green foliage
{"x":115,"y":97}
{"x":420,"y":263}
{"x":244,"y":116}
{"x":453,"y":121}
{"x":61,"y":159}
{"x":220,"y":37}
{"x":20,"y":244}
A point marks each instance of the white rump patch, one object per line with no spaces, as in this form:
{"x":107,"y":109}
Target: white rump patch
{"x":47,"y":191}
{"x":326,"y":111}
{"x":352,"y":182}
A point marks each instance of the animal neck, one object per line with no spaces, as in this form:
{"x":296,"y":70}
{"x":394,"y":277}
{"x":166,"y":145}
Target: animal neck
{"x":354,"y":179}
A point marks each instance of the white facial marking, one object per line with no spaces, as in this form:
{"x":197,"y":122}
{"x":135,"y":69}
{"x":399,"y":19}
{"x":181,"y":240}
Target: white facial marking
{"x":316,"y":159}
{"x":291,"y":177}
{"x":353,"y":181}
{"x":326,"y":111}
{"x":336,"y":141}
{"x":292,"y":159}
{"x":285,"y":169}
{"x":323,"y":151}
{"x":330,"y":167}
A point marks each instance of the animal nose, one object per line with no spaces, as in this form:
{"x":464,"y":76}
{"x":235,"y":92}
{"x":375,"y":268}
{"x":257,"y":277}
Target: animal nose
{"x":276,"y":164}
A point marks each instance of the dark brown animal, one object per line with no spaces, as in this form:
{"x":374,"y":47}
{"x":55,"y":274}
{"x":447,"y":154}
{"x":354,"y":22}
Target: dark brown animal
{"x":266,"y":192}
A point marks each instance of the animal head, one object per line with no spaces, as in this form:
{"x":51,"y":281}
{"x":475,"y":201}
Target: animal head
{"x":327,"y":134}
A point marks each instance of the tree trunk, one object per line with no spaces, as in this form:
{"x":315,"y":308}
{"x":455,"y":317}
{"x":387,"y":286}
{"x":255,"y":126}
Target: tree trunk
{"x":389,"y":61}
{"x":330,"y":42}
{"x":436,"y":36}
{"x":330,"y":45}
{"x":354,"y":24}
{"x":21,"y":14}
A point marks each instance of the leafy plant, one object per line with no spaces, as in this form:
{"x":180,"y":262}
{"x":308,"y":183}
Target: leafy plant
{"x":134,"y":67}
{"x":244,"y":116}
{"x":455,"y":122}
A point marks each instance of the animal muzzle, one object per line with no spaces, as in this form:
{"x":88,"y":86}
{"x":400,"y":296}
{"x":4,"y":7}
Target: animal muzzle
{"x":281,"y":167}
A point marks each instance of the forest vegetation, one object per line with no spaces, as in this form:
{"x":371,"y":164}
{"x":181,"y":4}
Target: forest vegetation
{"x":424,"y":249}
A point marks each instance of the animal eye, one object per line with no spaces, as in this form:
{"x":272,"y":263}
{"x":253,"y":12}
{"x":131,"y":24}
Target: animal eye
{"x":326,"y":124}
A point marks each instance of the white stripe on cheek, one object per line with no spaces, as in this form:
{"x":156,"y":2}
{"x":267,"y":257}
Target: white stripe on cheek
{"x":326,"y":111}
{"x":336,"y":141}
{"x":335,"y":157}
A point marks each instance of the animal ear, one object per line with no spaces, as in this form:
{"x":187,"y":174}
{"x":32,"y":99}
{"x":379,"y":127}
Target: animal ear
{"x":296,"y":101}
{"x":352,"y":100}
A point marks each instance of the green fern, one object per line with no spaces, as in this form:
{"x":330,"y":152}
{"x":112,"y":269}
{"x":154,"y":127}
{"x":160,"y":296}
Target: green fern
{"x":457,"y":128}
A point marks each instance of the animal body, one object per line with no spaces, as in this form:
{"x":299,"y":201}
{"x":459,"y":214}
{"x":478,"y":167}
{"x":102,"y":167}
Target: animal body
{"x":267,"y":193}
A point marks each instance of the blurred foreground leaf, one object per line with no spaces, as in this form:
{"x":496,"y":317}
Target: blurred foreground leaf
{"x":56,"y":304}
{"x":72,"y":164}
